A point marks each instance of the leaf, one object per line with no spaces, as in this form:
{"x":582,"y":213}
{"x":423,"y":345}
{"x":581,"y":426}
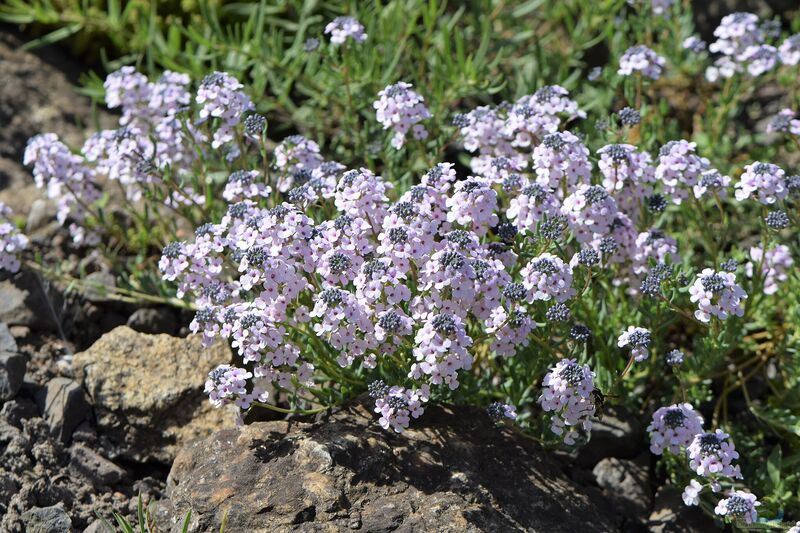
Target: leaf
{"x":54,"y":36}
{"x":774,"y":465}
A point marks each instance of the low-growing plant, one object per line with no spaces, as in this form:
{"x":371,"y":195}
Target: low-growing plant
{"x":517,"y":255}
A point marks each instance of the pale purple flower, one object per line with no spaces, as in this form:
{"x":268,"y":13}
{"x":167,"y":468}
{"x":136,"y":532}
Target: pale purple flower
{"x":548,"y":277}
{"x":767,"y":179}
{"x":775,"y":265}
{"x":680,"y":168}
{"x":739,"y":506}
{"x":712,"y":454}
{"x":643,"y":60}
{"x":673,"y":428}
{"x":638,"y":339}
{"x":716,"y":294}
{"x":691,"y":494}
{"x":342,"y":28}
{"x":401,"y":109}
{"x":789,"y":50}
{"x":567,"y":393}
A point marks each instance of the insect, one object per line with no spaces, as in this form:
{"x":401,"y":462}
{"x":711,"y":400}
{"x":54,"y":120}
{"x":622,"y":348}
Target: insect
{"x":600,"y":401}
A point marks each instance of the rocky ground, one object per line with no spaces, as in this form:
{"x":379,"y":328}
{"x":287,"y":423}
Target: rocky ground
{"x":97,"y":399}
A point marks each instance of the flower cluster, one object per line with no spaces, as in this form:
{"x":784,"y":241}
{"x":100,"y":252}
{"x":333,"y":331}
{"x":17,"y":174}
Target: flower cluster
{"x":342,"y":28}
{"x":12,"y":241}
{"x":401,"y":109}
{"x":775,"y":266}
{"x":639,"y":341}
{"x":673,"y":428}
{"x":567,"y":393}
{"x":716,"y":294}
{"x":643,"y":60}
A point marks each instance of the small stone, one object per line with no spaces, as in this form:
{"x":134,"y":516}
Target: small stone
{"x":65,"y":407}
{"x":96,"y":468}
{"x":12,"y":373}
{"x":25,"y":301}
{"x":98,"y":526}
{"x":47,"y":520}
{"x":7,"y":341}
{"x":40,"y":214}
{"x":17,"y":410}
{"x":97,"y":285}
{"x":153,"y":320}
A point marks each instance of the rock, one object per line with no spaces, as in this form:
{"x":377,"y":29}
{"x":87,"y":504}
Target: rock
{"x":617,"y":434}
{"x":96,"y":468}
{"x":670,"y":515}
{"x":97,"y":286}
{"x":40,"y":214}
{"x":12,"y":373}
{"x":7,"y":341}
{"x":96,"y":527}
{"x":147,"y":391}
{"x":153,"y":320}
{"x":47,"y":520}
{"x":17,"y":410}
{"x":35,"y":97}
{"x":25,"y":301}
{"x":452,"y":471}
{"x":627,"y":482}
{"x":65,"y":407}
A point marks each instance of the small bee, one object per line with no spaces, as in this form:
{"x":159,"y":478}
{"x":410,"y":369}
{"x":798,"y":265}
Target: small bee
{"x":600,"y":402}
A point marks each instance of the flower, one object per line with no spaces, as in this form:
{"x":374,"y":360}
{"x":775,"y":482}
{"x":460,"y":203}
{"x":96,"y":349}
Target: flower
{"x":675,"y":358}
{"x":342,"y":28}
{"x":639,"y":341}
{"x":789,"y":50}
{"x":673,"y":428}
{"x":221,"y":97}
{"x":498,"y":410}
{"x":642,"y":59}
{"x":691,"y":494}
{"x":546,"y":277}
{"x":567,"y":393}
{"x":739,"y":505}
{"x":716,"y":294}
{"x":12,"y":242}
{"x":629,"y":116}
{"x":766,"y":179}
{"x":784,"y":122}
{"x":775,"y":265}
{"x":712,"y":454}
{"x":680,"y":169}
{"x":401,"y":109}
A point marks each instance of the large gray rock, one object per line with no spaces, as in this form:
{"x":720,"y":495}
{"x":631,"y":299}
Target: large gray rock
{"x":65,"y":407}
{"x":147,"y":391}
{"x":452,"y":471}
{"x":12,"y":373}
{"x":47,"y":520}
